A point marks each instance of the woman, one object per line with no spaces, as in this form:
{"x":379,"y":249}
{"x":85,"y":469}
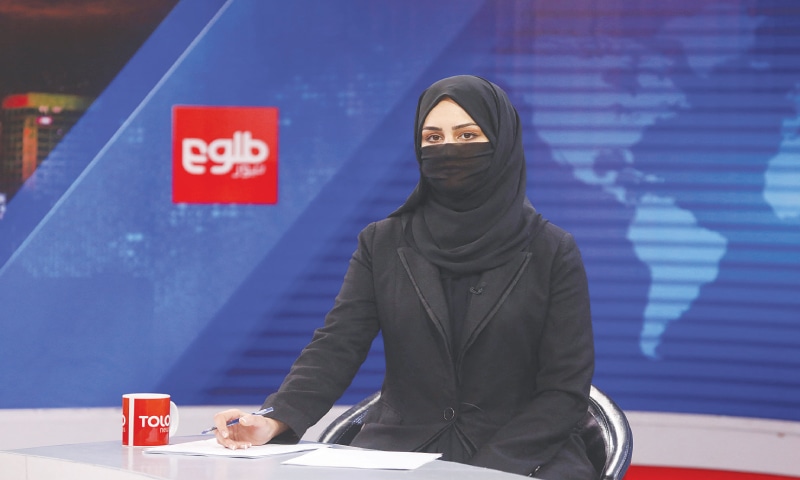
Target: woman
{"x":483,"y":305}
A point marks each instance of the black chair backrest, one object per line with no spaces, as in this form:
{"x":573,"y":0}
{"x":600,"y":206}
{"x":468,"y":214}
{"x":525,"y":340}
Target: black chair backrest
{"x":345,"y":427}
{"x":607,"y":435}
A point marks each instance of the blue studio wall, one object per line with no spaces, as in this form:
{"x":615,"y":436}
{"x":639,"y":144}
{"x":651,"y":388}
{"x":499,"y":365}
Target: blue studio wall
{"x":664,"y":135}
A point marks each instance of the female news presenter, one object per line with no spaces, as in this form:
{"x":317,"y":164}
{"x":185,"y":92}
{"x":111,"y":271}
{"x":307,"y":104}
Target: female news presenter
{"x":483,"y":305}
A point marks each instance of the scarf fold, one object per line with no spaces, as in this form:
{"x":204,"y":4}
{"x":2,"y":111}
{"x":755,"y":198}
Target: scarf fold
{"x":461,"y":234}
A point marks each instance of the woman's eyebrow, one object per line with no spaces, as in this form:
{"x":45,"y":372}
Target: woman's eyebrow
{"x":455,"y":127}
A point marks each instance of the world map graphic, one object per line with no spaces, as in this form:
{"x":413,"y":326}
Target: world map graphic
{"x":628,"y":87}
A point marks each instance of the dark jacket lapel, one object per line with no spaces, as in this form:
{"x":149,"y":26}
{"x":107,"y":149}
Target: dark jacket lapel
{"x":425,"y":278}
{"x":493,"y":289}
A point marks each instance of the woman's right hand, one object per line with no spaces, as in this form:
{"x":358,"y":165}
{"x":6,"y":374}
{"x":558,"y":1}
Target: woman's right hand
{"x":251,"y":429}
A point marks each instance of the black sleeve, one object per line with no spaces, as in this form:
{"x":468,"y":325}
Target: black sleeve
{"x":327,"y":365}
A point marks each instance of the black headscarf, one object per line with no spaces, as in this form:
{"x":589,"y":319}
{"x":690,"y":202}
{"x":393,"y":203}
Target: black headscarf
{"x":491,"y":230}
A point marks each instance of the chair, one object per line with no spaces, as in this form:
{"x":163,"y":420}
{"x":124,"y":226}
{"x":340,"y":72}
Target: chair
{"x":608,"y":436}
{"x":606,"y":432}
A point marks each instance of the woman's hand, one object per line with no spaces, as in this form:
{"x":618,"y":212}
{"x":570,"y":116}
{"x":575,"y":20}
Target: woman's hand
{"x":251,"y":429}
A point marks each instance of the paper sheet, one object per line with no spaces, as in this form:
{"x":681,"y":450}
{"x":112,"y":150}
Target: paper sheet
{"x":374,"y":459}
{"x":210,"y":448}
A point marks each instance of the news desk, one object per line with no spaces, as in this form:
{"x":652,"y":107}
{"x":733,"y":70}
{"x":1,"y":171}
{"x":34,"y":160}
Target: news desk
{"x":112,"y":461}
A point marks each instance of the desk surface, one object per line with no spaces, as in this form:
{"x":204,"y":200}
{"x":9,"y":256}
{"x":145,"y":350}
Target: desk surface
{"x":112,"y":461}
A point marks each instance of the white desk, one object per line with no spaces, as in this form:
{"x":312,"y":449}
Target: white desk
{"x":112,"y":461}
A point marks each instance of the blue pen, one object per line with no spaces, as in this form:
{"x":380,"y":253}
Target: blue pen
{"x":263,"y":411}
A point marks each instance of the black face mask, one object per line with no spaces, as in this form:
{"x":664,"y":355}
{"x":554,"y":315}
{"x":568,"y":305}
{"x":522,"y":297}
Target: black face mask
{"x":456,"y":170}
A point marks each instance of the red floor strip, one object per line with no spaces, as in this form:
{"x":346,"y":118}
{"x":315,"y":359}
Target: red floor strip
{"x":639,"y":472}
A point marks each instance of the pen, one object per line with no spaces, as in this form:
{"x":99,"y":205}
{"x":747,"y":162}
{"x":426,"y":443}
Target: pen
{"x":263,"y":411}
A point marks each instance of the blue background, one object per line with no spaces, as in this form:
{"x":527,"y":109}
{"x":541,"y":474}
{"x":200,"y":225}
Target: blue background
{"x":664,"y":135}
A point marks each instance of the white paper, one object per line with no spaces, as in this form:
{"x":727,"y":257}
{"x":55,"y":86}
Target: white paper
{"x":210,"y":448}
{"x":375,"y":459}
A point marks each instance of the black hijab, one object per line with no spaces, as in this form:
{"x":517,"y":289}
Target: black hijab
{"x":499,"y":225}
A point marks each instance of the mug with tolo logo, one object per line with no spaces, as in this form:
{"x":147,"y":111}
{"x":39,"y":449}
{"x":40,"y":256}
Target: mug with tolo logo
{"x":148,"y":419}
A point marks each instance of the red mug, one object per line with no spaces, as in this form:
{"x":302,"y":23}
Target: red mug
{"x":148,"y":419}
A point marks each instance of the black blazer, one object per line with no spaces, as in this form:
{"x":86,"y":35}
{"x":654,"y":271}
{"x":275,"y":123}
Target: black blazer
{"x":520,"y":383}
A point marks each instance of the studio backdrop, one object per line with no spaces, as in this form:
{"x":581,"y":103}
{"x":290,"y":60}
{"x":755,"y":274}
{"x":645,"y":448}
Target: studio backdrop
{"x":192,"y":228}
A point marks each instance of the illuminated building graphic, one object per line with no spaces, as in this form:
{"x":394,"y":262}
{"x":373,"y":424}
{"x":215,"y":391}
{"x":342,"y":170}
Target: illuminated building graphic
{"x":32,"y":125}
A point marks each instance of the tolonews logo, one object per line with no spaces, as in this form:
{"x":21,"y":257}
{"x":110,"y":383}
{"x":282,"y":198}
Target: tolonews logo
{"x":225,"y":155}
{"x":242,"y":151}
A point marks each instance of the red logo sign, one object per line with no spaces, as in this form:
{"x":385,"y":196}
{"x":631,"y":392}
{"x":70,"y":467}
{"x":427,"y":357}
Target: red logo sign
{"x":225,"y":155}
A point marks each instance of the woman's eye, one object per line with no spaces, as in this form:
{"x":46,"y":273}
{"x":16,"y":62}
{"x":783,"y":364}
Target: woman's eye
{"x":433,"y":138}
{"x":469,"y":135}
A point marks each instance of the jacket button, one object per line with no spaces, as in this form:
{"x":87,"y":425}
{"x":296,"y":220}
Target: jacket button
{"x":449,"y":413}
